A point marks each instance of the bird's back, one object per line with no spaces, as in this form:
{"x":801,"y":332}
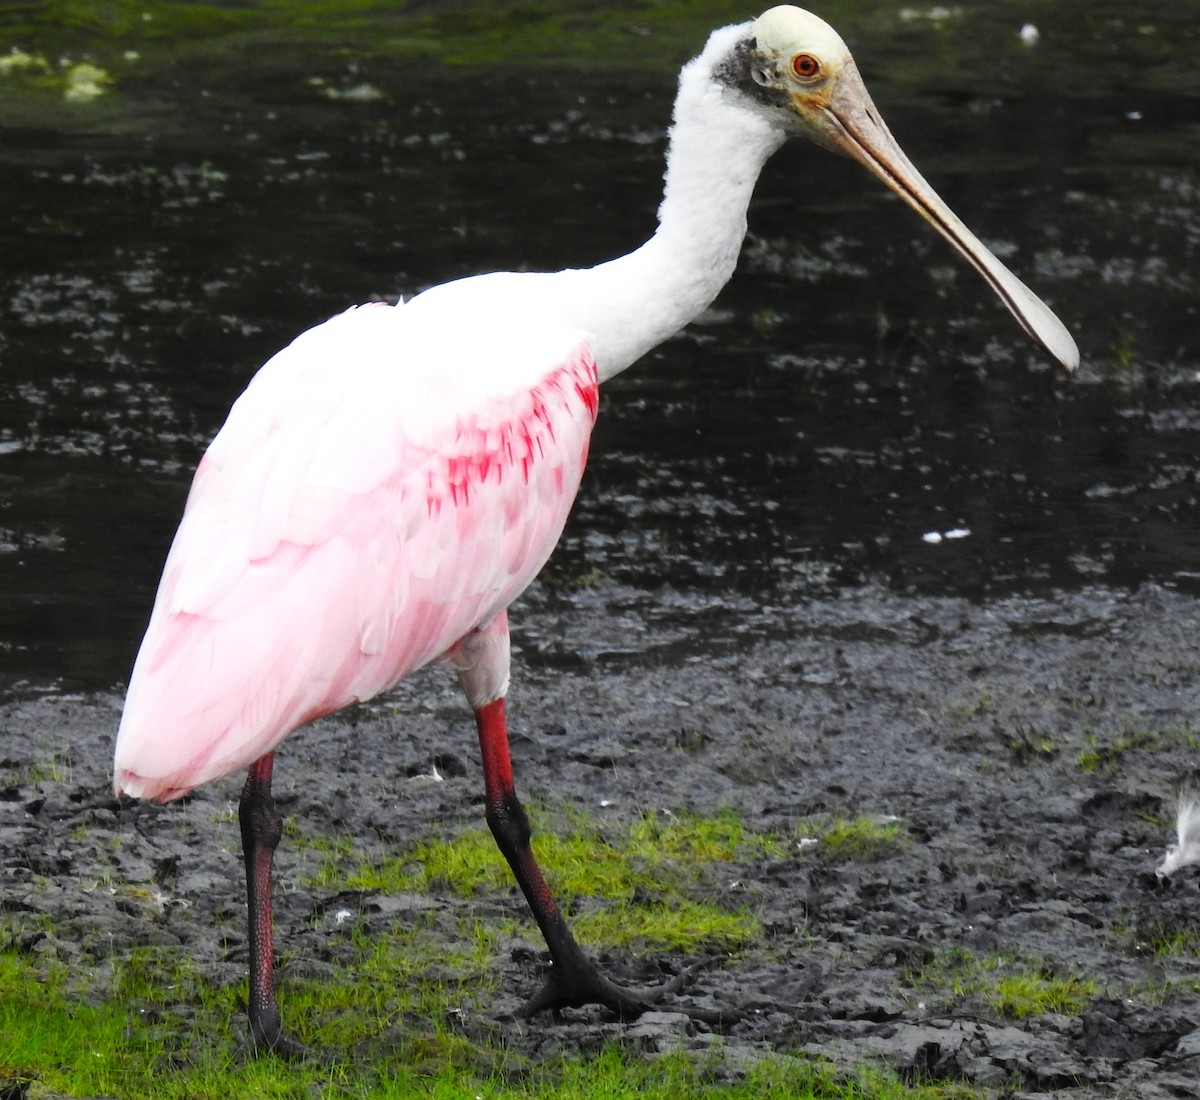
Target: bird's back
{"x":384,"y":485}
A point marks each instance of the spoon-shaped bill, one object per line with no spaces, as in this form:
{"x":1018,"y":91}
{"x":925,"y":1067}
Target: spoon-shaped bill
{"x":853,"y":126}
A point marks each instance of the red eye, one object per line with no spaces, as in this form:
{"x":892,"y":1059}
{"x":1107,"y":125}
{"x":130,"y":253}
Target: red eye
{"x":805,"y":66}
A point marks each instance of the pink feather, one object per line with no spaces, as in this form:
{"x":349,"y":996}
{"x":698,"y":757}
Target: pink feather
{"x":369,"y":502}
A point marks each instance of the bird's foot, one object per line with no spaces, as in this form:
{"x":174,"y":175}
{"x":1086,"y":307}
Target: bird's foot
{"x":283,"y":1047}
{"x":267,"y":1037}
{"x":581,"y":984}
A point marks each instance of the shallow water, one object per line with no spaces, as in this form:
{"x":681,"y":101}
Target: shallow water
{"x":854,"y":391}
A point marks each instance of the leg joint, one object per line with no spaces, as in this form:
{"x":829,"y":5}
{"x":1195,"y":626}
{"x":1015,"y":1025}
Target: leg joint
{"x":509,"y":823}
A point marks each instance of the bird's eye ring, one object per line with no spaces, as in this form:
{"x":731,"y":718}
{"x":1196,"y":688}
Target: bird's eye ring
{"x":806,"y":67}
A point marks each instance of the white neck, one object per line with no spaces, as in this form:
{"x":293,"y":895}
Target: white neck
{"x":718,"y":145}
{"x":717,"y":149}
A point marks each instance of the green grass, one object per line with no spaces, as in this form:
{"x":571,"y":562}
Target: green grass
{"x":408,"y":1010}
{"x":1039,"y":991}
{"x":49,"y":766}
{"x":1029,"y":744}
{"x":1104,"y":754}
{"x":656,"y":882}
{"x":1183,"y":941}
{"x":396,"y":1037}
{"x":1163,"y":937}
{"x":153,"y":1013}
{"x":659,"y":881}
{"x":1012,"y":988}
{"x":859,"y":840}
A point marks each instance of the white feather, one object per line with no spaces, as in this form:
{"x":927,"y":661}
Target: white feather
{"x":1186,"y":848}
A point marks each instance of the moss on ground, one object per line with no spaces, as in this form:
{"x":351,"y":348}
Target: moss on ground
{"x":1012,"y":988}
{"x":656,"y":882}
{"x":160,"y":1031}
{"x":855,"y":840}
{"x":407,"y":1009}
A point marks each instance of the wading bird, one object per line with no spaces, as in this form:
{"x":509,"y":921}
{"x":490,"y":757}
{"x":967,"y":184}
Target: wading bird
{"x":391,"y":481}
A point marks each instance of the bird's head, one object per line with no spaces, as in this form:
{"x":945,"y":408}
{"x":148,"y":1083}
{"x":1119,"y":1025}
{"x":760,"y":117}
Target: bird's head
{"x":793,"y":68}
{"x":803,"y":71}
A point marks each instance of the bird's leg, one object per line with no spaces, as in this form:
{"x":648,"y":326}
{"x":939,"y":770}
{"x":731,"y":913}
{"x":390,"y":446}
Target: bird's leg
{"x":261,"y":830}
{"x":574,"y":979}
{"x":482,"y":661}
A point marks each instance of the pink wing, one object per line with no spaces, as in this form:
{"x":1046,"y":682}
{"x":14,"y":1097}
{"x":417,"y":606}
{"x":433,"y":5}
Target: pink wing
{"x":379,"y":490}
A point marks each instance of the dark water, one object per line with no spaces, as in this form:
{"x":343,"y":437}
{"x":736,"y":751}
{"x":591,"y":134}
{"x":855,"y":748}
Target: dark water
{"x":854,"y":390}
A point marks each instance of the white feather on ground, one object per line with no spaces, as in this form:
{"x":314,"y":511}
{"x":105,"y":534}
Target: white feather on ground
{"x":1187,"y":829}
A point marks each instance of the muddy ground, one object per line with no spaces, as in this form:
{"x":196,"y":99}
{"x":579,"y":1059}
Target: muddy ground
{"x":969,"y":722}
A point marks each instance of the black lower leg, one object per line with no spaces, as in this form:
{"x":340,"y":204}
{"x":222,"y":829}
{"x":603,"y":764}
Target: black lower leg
{"x":574,"y":979}
{"x":261,"y":829}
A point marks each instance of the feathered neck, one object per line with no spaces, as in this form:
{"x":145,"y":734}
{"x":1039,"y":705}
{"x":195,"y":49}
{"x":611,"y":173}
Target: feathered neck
{"x":717,"y":147}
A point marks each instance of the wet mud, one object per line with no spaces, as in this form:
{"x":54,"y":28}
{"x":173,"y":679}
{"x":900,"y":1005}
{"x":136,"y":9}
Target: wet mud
{"x":1029,"y":748}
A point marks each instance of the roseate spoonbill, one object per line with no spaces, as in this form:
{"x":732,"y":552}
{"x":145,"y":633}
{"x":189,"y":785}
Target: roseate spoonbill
{"x":392,"y":480}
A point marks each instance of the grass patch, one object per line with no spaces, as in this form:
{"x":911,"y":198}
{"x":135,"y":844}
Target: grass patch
{"x":857,"y":840}
{"x":1181,"y":942}
{"x":48,"y":767}
{"x":613,"y":1075}
{"x":1105,"y":755}
{"x":151,"y":1023}
{"x":1106,"y":752}
{"x":1037,"y":992}
{"x":656,"y":881}
{"x":1028,"y":744}
{"x":1164,"y":937}
{"x":407,"y":1010}
{"x":161,"y":1031}
{"x":1010,"y":987}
